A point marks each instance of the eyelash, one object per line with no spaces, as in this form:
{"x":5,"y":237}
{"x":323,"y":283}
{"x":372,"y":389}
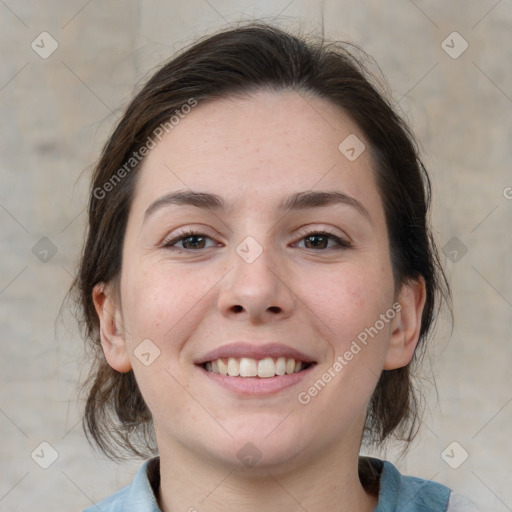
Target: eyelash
{"x":341,"y":244}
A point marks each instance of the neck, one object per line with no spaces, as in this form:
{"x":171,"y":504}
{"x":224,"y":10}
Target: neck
{"x":329,"y":481}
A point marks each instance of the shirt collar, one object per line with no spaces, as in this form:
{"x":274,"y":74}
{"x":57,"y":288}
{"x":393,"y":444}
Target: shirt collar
{"x":396,"y":491}
{"x":141,"y":496}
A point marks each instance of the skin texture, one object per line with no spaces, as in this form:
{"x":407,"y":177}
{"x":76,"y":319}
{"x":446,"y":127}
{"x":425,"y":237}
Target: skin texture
{"x":254,"y":151}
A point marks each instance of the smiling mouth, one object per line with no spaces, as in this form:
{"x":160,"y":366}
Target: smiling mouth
{"x":262,"y":368}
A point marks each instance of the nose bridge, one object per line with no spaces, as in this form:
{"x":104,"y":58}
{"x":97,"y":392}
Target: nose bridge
{"x":257,"y":284}
{"x":255,"y":265}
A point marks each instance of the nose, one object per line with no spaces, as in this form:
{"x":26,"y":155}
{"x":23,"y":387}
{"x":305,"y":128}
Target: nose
{"x":257,"y":290}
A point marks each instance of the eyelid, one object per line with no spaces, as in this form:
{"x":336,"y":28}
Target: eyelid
{"x":169,"y":241}
{"x":308,"y":230}
{"x":188,"y":230}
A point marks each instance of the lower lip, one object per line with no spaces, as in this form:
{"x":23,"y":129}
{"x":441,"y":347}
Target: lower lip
{"x":257,"y":386}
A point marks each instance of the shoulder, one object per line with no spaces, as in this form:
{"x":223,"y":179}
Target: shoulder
{"x":459,"y":503}
{"x":412,"y":494}
{"x":114,"y":503}
{"x":139,"y":496}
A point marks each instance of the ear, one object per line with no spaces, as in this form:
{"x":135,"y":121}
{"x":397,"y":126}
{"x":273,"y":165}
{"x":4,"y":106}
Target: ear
{"x":406,"y":324}
{"x":112,"y":335}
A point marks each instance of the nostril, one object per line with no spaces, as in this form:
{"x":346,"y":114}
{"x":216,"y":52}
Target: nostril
{"x":274,"y":309}
{"x":237,"y":309}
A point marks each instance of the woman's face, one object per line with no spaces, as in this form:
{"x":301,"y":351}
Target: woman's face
{"x":276,"y":251}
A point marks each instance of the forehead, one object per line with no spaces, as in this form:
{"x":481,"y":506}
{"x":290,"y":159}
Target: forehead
{"x":257,"y":148}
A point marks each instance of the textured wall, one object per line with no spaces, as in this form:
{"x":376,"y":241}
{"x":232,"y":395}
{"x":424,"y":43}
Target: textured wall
{"x":56,"y":111}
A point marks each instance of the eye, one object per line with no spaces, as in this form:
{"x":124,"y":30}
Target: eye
{"x":324,"y":240}
{"x":189,"y":240}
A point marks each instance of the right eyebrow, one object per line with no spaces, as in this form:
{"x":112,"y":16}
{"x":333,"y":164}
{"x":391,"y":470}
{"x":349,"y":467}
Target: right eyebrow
{"x":198,"y":199}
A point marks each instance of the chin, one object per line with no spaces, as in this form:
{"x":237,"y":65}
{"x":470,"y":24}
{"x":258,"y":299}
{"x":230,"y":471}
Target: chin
{"x":262,"y":450}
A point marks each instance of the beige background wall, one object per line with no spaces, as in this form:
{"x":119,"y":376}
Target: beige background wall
{"x":56,"y":113}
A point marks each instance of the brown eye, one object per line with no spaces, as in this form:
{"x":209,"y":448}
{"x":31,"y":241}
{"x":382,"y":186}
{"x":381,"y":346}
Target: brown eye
{"x":193,"y":242}
{"x":189,"y":241}
{"x":317,"y":241}
{"x":323,"y":240}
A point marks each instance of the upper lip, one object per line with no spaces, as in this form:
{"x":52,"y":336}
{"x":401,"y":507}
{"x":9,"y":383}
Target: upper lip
{"x":260,"y":351}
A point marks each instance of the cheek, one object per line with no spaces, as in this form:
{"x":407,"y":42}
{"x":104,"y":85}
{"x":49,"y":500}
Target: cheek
{"x":146,"y":300}
{"x":347,"y":309}
{"x":162,"y":303}
{"x":348,"y":301}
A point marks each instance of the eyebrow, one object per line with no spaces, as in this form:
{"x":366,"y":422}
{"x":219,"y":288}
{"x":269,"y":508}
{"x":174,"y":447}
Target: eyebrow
{"x":298,"y":201}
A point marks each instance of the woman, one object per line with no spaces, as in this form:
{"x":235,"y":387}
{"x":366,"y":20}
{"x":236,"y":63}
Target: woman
{"x":257,"y":280}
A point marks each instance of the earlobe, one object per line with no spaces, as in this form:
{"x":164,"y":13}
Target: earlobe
{"x":112,"y":335}
{"x":406,"y":325}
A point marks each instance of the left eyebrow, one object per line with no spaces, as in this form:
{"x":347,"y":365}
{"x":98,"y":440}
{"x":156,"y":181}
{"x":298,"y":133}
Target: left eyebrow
{"x":297,"y":201}
{"x":183,"y":198}
{"x":319,"y":199}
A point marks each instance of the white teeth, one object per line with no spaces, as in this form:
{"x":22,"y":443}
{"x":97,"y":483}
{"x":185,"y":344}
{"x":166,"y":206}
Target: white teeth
{"x":249,"y":367}
{"x":233,"y":367}
{"x":223,"y":367}
{"x":281,"y":366}
{"x":266,"y":367}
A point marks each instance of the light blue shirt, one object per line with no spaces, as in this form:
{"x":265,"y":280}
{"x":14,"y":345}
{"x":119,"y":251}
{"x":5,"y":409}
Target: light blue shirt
{"x":397,"y":493}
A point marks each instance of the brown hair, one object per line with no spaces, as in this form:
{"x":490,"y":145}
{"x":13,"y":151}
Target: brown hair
{"x":237,"y":61}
